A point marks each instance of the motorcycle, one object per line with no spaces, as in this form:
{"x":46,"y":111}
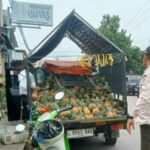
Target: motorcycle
{"x":47,"y":133}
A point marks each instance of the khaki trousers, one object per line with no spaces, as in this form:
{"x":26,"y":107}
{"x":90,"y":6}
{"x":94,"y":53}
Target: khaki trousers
{"x":145,"y":137}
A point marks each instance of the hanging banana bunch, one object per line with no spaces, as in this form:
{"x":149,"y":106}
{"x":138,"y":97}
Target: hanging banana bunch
{"x":110,"y":57}
{"x":90,"y":60}
{"x":104,"y":60}
{"x":100,"y":60}
{"x":82,"y":61}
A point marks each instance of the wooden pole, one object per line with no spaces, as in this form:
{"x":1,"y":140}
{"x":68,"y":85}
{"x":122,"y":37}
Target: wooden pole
{"x":1,"y":13}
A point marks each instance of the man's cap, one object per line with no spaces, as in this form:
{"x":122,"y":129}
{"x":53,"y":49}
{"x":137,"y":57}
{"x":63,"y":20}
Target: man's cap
{"x":147,"y":51}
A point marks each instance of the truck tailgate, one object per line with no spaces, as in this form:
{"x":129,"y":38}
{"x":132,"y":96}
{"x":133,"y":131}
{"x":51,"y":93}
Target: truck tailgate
{"x":78,"y":124}
{"x":89,"y":128}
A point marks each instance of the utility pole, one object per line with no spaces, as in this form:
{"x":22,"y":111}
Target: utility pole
{"x":1,"y":24}
{"x":1,"y":13}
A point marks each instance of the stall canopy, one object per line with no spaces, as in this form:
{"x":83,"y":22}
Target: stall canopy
{"x":80,"y":32}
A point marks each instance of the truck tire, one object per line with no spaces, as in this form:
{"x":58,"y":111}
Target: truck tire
{"x":110,"y":141}
{"x":111,"y":137}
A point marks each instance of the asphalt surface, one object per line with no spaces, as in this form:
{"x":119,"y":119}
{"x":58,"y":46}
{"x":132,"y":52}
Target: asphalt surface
{"x":125,"y":141}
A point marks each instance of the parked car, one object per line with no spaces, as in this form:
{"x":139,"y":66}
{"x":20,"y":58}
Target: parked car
{"x":133,"y":84}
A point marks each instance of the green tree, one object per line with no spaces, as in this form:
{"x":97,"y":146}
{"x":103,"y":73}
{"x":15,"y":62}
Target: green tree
{"x":135,"y":61}
{"x":110,"y":27}
{"x":110,"y":23}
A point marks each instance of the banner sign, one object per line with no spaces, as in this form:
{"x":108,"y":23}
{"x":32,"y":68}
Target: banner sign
{"x":32,"y":14}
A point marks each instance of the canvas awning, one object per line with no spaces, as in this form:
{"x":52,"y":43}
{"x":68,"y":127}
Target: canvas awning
{"x":80,"y":32}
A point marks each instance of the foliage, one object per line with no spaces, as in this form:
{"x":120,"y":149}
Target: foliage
{"x":3,"y":98}
{"x":3,"y":95}
{"x":110,"y":27}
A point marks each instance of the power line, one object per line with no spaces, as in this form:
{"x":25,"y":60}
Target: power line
{"x":142,"y":43}
{"x":138,"y":14}
{"x":24,"y":39}
{"x":137,"y":24}
{"x":142,"y":39}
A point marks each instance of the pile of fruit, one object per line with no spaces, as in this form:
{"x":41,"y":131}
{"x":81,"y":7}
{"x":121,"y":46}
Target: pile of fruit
{"x":87,"y":103}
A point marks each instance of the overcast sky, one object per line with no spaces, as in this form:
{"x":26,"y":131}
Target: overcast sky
{"x":134,"y":14}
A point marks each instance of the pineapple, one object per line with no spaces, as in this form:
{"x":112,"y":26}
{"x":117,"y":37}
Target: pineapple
{"x":88,"y":103}
{"x":73,"y":102}
{"x":91,"y":106}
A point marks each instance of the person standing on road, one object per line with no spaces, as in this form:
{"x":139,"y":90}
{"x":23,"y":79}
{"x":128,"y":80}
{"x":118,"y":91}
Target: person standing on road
{"x":141,"y":110}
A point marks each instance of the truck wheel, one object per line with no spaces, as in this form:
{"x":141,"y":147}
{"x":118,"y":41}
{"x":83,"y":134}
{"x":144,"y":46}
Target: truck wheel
{"x":110,"y":141}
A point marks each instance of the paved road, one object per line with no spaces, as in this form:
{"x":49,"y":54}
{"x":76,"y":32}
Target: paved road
{"x":125,"y":142}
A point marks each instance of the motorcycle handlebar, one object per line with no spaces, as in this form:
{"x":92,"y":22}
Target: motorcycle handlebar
{"x":64,"y":109}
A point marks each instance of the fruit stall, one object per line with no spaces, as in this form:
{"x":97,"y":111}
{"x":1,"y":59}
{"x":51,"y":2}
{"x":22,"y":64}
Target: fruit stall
{"x":90,"y":96}
{"x":94,"y":85}
{"x":98,"y":100}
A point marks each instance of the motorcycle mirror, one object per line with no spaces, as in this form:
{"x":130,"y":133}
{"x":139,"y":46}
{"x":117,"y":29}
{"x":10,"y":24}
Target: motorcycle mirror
{"x":20,"y":127}
{"x":59,"y":95}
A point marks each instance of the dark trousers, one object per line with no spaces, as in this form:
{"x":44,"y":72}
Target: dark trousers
{"x":145,"y":137}
{"x":25,"y":109}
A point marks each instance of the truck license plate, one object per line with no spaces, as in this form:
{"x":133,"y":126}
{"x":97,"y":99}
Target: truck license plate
{"x":80,"y":133}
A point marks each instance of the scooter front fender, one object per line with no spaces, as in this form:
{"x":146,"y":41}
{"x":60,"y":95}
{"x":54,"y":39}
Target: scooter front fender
{"x":66,"y":142}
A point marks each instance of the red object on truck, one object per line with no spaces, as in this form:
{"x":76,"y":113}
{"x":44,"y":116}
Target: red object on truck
{"x":67,"y":67}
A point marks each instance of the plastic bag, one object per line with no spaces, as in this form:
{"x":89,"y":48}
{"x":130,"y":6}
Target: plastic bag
{"x":40,"y":76}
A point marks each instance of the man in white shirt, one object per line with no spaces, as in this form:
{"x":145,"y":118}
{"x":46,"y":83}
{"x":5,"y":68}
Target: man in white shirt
{"x":22,"y":78}
{"x":141,"y":110}
{"x":23,"y":82}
